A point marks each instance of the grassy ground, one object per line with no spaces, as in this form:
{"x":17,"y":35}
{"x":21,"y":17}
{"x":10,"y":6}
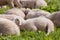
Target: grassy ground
{"x":53,"y":5}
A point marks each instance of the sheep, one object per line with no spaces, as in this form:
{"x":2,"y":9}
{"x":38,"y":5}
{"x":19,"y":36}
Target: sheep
{"x":15,"y":11}
{"x":11,"y":3}
{"x":33,"y":3}
{"x":39,"y":23}
{"x":17,"y":19}
{"x":41,"y":3}
{"x":28,"y":3}
{"x":55,"y":17}
{"x":25,"y":10}
{"x":36,"y":13}
{"x":8,"y":27}
{"x":13,"y":18}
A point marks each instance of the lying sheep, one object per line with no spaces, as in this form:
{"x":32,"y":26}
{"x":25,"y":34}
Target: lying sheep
{"x":33,"y":3}
{"x":15,"y":11}
{"x":13,"y":18}
{"x":11,"y":3}
{"x":40,"y":23}
{"x":36,"y":13}
{"x":17,"y":19}
{"x":8,"y":27}
{"x":28,"y":3}
{"x":55,"y":17}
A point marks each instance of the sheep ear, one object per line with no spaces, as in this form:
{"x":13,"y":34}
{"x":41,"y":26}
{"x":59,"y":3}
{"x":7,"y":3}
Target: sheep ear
{"x":17,"y":21}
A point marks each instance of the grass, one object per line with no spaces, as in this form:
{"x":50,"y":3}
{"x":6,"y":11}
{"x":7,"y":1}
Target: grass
{"x":53,"y":5}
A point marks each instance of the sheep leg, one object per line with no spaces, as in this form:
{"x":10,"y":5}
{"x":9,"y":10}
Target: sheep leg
{"x":49,"y":31}
{"x":11,"y":4}
{"x":18,"y":4}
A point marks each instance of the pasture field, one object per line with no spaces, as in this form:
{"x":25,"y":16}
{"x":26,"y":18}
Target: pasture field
{"x":53,"y":5}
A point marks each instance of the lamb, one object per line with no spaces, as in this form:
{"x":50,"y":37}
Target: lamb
{"x":15,"y":11}
{"x":13,"y":18}
{"x":36,"y":13}
{"x":33,"y":3}
{"x":10,"y":3}
{"x":8,"y":27}
{"x":17,"y":19}
{"x":39,"y":23}
{"x":55,"y":17}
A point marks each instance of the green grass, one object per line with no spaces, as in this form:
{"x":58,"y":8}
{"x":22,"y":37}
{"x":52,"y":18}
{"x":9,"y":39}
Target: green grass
{"x":3,"y":10}
{"x":53,"y":5}
{"x":31,"y":35}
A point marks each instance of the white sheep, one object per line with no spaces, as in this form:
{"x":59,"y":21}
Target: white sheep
{"x":33,"y":3}
{"x":36,"y":13}
{"x":13,"y":18}
{"x":10,"y":3}
{"x":8,"y":27}
{"x":39,"y":23}
{"x":18,"y":20}
{"x":28,"y":3}
{"x":15,"y":11}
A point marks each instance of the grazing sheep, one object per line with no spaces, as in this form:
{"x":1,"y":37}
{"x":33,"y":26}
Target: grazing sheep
{"x":33,"y":3}
{"x":15,"y":11}
{"x":8,"y":27}
{"x":39,"y":23}
{"x":10,"y":3}
{"x":55,"y":17}
{"x":36,"y":13}
{"x":28,"y":3}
